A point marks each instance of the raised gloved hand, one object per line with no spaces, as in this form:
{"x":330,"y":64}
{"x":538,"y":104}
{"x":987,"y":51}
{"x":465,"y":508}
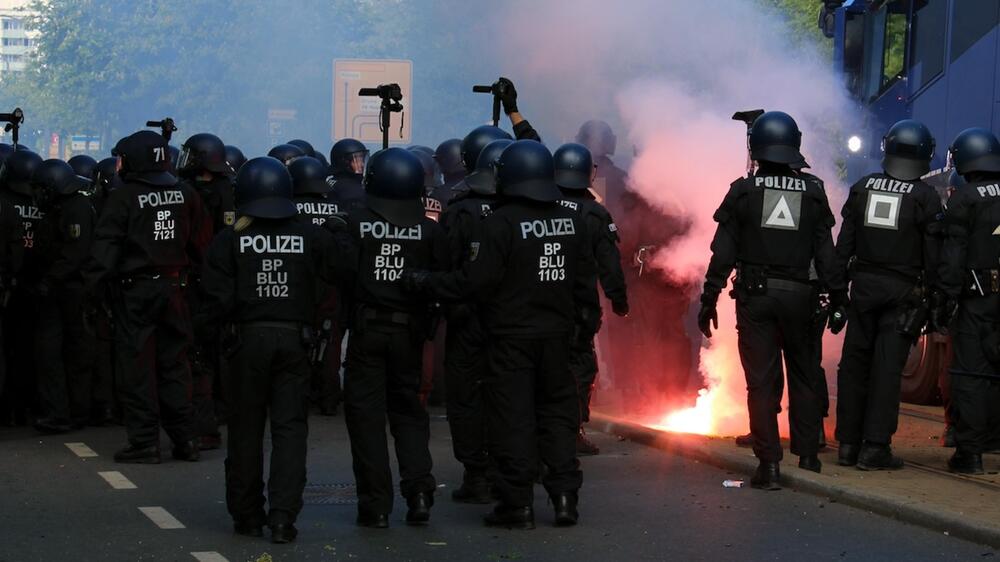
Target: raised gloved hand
{"x":620,"y":308}
{"x":414,"y":280}
{"x":838,"y":311}
{"x":708,"y":317}
{"x":942,"y":312}
{"x":508,"y":95}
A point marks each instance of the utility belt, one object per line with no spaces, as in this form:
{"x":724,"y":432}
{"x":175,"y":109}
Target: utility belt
{"x":384,"y":316}
{"x":872,"y":269}
{"x":752,"y":280}
{"x":232,"y":339}
{"x":982,"y":282}
{"x":421,"y":326}
{"x":174,"y":277}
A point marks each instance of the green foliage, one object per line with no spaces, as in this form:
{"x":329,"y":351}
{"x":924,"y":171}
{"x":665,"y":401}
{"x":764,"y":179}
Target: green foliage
{"x":802,"y":18}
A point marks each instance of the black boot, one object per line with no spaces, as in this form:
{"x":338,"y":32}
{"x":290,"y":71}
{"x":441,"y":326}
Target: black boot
{"x":474,"y":489}
{"x":584,"y":446}
{"x":847,"y":454}
{"x":283,"y":533}
{"x":52,"y":426}
{"x":248,"y":529}
{"x":878,"y":457}
{"x":810,"y":463}
{"x":420,"y":508}
{"x":186,"y":451}
{"x":964,"y":462}
{"x":565,"y":507}
{"x":373,"y":520}
{"x":745,"y":440}
{"x":134,"y":454}
{"x":767,"y":476}
{"x":511,"y":517}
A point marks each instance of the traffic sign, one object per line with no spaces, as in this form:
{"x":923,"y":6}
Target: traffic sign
{"x":358,"y":117}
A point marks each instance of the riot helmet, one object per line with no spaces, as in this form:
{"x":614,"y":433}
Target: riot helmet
{"x":908,"y":148}
{"x":421,"y":148}
{"x":525,"y":169}
{"x":286,"y":153}
{"x":574,"y":166}
{"x":175,"y":156}
{"x":235,"y":158}
{"x":598,"y":137}
{"x":145,"y":158}
{"x":432,"y":173}
{"x":306,"y":148}
{"x":309,"y":176}
{"x":484,"y":180}
{"x":775,"y":137}
{"x":394,"y":184}
{"x":975,"y":150}
{"x":17,"y":169}
{"x":347,"y":157}
{"x":5,"y":151}
{"x":106,"y":174}
{"x":54,"y":178}
{"x":83,"y":165}
{"x":449,"y":157}
{"x":201,"y":153}
{"x":476,"y":141}
{"x":264,"y":189}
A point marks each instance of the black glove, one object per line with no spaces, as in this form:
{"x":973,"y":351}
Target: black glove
{"x":708,"y":317}
{"x":414,"y":280}
{"x":838,"y":311}
{"x":336,"y":222}
{"x":942,"y":312}
{"x":620,"y":308}
{"x":508,"y":95}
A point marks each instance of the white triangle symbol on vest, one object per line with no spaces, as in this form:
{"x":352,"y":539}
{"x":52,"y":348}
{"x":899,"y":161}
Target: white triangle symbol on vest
{"x":996,"y":232}
{"x":781,"y":215}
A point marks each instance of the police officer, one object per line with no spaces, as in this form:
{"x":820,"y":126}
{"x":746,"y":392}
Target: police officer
{"x":11,"y":257}
{"x":448,"y":155}
{"x":286,"y":153}
{"x":315,"y":207}
{"x":891,"y":231}
{"x":83,"y":166}
{"x":260,"y":277}
{"x":384,"y":352}
{"x":472,"y":145}
{"x":969,"y":275}
{"x":528,"y":268}
{"x":574,"y":168}
{"x":347,"y":162}
{"x":64,"y":351}
{"x":772,"y":225}
{"x":21,"y":312}
{"x":436,"y":194}
{"x":465,"y":340}
{"x":203,"y":166}
{"x":106,"y":409}
{"x":610,"y":181}
{"x":151,"y":232}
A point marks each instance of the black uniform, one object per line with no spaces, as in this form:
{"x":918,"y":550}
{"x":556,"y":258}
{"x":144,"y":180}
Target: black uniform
{"x":220,"y":209}
{"x":146,"y":241}
{"x":20,"y":315}
{"x":348,"y":193}
{"x":892,"y":231}
{"x":330,"y":315}
{"x":264,"y":280}
{"x":465,"y":351}
{"x":64,"y":351}
{"x":969,"y":273}
{"x":384,"y":354}
{"x":11,"y":257}
{"x":527,"y":270}
{"x":607,"y":266}
{"x":771,"y":227}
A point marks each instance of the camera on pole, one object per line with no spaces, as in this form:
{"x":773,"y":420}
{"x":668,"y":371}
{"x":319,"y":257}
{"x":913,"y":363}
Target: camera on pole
{"x":391,"y":95}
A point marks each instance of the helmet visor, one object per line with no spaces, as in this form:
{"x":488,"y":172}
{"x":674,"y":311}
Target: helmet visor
{"x":356,"y":162}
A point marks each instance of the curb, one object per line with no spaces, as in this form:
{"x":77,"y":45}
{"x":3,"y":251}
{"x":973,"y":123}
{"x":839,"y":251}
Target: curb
{"x":698,"y":447}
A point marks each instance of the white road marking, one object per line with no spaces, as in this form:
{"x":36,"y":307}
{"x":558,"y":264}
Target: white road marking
{"x":161,"y":517}
{"x":117,"y":480}
{"x":81,"y":450}
{"x":209,"y":557}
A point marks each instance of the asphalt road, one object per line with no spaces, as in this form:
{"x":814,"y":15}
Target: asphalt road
{"x":637,"y":504}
